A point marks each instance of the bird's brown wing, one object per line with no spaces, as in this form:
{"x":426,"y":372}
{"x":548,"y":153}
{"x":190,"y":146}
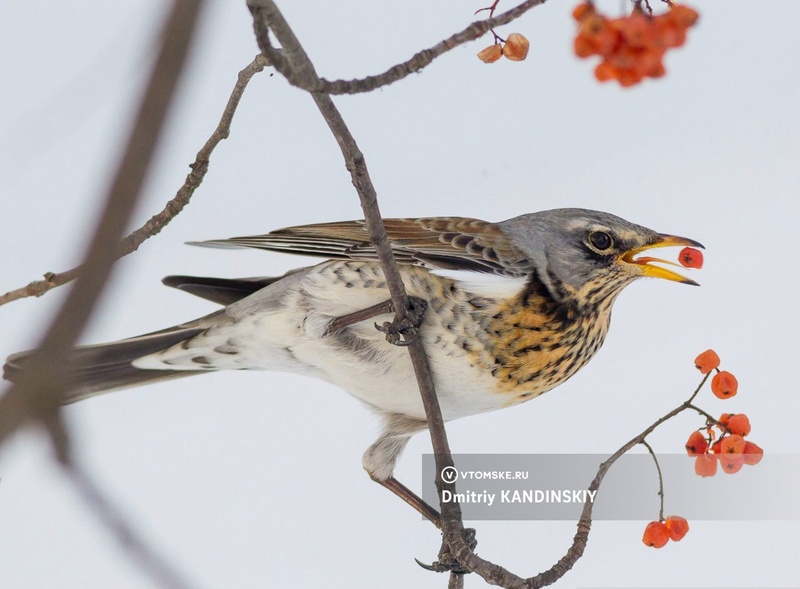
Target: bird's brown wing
{"x":453,"y":243}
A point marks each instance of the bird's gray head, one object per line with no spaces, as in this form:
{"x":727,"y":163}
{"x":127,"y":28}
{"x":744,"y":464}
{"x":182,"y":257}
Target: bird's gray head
{"x":588,"y":256}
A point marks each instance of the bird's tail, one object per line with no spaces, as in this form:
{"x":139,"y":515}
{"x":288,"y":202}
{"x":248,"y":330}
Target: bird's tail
{"x":105,"y":367}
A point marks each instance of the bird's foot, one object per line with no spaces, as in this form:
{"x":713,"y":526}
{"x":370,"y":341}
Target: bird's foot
{"x":405,"y":331}
{"x":447,"y":563}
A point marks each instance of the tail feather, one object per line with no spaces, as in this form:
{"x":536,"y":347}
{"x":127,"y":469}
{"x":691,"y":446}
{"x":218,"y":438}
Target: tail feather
{"x":224,"y":291}
{"x":105,"y":367}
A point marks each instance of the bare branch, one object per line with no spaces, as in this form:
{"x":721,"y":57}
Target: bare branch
{"x":38,"y":392}
{"x":497,"y":575}
{"x":157,"y":222}
{"x":575,"y":551}
{"x":297,"y":76}
{"x":158,"y":569}
{"x":296,"y":62}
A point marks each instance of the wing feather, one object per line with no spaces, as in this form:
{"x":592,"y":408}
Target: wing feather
{"x":453,"y":243}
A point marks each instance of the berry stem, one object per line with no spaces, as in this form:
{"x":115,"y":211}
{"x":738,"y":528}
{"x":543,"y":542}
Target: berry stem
{"x":491,"y":8}
{"x":660,"y":478}
{"x":709,"y":420}
{"x":646,"y":5}
{"x":697,"y":390}
{"x":707,"y":415}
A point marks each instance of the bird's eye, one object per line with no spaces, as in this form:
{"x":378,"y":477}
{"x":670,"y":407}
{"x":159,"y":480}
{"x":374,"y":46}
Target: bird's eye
{"x":600,"y":240}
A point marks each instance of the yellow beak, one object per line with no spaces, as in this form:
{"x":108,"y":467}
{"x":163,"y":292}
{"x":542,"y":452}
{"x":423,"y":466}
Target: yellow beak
{"x":646,"y":269}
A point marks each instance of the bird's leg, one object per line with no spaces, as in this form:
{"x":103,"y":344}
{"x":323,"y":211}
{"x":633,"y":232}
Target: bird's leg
{"x":380,"y":458}
{"x":379,"y":461}
{"x":398,"y":333}
{"x":405,"y":331}
{"x":446,"y":562}
{"x":362,"y":315}
{"x":412,"y":499}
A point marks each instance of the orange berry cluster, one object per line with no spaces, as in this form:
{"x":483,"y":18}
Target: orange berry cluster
{"x":731,"y":450}
{"x":657,"y":534}
{"x":514,"y":48}
{"x":632,"y":47}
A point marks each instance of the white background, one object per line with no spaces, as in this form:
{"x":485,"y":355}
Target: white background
{"x":254,"y":479}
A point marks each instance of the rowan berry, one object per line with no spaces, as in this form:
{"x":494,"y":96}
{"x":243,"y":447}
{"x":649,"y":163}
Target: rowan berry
{"x":605,"y":71}
{"x":629,"y":77}
{"x":516,"y":47}
{"x":724,"y":420}
{"x":634,"y":30}
{"x":707,"y":361}
{"x":739,"y":424}
{"x":582,"y":11}
{"x":697,"y":444}
{"x":584,"y":46}
{"x":677,"y":526}
{"x":656,"y":534}
{"x":724,"y":385}
{"x":752,"y":453}
{"x":733,"y":444}
{"x":691,"y":258}
{"x":682,"y":16}
{"x":671,"y":37}
{"x":491,"y":53}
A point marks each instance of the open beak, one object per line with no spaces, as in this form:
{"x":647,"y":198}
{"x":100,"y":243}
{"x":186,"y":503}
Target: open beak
{"x":644,"y":262}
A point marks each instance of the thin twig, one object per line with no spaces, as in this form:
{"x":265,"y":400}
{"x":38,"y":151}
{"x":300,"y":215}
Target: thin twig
{"x":157,"y":222}
{"x":416,"y":63}
{"x":700,"y":386}
{"x":709,"y":418}
{"x":575,"y":551}
{"x":660,"y":478}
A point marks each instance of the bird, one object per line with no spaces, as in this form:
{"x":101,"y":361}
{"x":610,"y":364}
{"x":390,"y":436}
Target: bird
{"x":492,"y":344}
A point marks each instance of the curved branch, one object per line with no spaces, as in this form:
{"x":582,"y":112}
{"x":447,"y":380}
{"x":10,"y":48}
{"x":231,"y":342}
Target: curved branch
{"x":114,"y":521}
{"x":413,"y":65}
{"x":498,"y":575}
{"x":294,"y":60}
{"x":575,"y":551}
{"x":157,"y":222}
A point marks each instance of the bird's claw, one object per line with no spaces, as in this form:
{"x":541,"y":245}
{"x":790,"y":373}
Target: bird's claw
{"x":446,"y":563}
{"x":439,"y":566}
{"x":404,"y":332}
